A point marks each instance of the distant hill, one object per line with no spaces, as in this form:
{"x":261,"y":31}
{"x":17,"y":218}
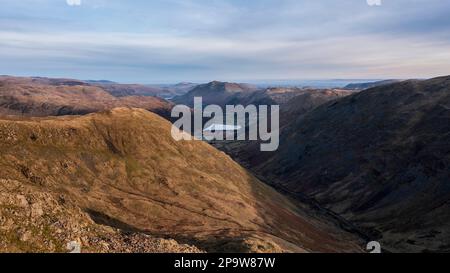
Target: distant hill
{"x":122,"y":170}
{"x":223,"y":93}
{"x":284,"y":96}
{"x":166,"y":91}
{"x":123,"y":90}
{"x":220,"y":93}
{"x":367,"y":85}
{"x":55,"y":97}
{"x":179,"y":89}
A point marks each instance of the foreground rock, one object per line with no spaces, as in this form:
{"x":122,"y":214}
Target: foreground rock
{"x":33,"y":220}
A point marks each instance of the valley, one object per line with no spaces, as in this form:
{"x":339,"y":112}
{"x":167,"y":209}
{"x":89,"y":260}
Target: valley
{"x":352,"y":166}
{"x":378,"y":159}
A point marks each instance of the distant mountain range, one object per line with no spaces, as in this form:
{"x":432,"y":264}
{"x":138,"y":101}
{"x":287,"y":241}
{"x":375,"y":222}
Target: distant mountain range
{"x":56,"y":97}
{"x":225,"y":93}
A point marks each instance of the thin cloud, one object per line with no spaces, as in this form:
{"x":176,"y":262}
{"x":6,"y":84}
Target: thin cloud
{"x":73,"y":2}
{"x":367,"y":56}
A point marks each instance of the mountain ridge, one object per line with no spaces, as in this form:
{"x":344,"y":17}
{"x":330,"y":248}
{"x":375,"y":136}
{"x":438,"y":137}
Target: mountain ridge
{"x":124,"y":169}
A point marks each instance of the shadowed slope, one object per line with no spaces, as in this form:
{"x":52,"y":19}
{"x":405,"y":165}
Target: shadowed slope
{"x":380,"y":158}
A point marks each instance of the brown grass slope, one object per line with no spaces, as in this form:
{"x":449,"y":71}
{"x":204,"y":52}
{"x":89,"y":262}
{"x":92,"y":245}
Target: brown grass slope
{"x":123,"y":168}
{"x":379,"y":158}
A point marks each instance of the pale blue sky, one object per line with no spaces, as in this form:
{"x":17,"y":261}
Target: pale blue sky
{"x":160,"y":41}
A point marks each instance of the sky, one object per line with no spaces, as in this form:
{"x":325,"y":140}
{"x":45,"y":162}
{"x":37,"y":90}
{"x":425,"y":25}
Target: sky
{"x":168,"y":41}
